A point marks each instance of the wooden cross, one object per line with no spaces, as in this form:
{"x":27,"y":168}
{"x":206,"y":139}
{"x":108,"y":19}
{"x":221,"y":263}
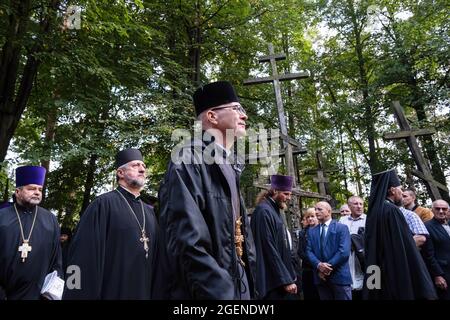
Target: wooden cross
{"x":321,"y":180}
{"x":410,"y":135}
{"x":287,"y":141}
{"x":275,"y":79}
{"x":24,"y":249}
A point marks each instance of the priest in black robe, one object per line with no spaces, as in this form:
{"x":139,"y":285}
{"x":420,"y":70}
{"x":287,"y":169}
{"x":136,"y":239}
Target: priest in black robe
{"x":29,"y":239}
{"x":275,"y":273}
{"x":390,"y":246}
{"x":116,"y":242}
{"x":210,"y":250}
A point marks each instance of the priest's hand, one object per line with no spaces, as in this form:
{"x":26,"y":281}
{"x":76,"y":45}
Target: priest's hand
{"x":440,"y":282}
{"x":291,"y":288}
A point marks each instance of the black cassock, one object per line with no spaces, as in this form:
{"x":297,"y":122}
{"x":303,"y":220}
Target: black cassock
{"x":24,"y":280}
{"x":274,"y":265}
{"x":108,"y":250}
{"x":390,"y":246}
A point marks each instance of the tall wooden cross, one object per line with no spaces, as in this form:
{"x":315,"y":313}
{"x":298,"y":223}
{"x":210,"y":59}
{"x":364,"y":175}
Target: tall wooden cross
{"x":275,"y":79}
{"x":288,"y":143}
{"x":410,"y":135}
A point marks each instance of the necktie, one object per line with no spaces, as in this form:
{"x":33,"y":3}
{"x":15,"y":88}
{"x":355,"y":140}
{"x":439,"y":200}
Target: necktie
{"x":322,"y":239}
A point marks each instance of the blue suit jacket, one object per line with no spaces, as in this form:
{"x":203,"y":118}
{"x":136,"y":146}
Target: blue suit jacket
{"x":438,"y":249}
{"x":336,"y":252}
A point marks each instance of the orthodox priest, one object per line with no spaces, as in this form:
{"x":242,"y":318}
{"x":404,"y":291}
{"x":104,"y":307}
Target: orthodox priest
{"x":210,"y":250}
{"x":275,"y":273}
{"x":390,"y":246}
{"x":115,"y":244}
{"x":29,"y":239}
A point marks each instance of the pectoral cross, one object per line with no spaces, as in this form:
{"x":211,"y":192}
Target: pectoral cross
{"x":24,"y":249}
{"x":239,"y":240}
{"x":145,"y":240}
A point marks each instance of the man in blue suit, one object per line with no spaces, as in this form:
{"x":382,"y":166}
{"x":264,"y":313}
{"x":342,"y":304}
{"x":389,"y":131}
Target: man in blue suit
{"x":437,"y":251}
{"x":328,"y":250}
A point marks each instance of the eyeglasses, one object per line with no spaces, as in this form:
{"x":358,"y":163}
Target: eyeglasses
{"x":237,"y":108}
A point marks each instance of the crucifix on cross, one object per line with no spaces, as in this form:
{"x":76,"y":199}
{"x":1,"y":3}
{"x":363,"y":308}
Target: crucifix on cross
{"x":24,"y":249}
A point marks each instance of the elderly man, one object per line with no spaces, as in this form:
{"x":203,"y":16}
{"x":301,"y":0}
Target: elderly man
{"x":356,"y":223}
{"x":29,"y":239}
{"x":437,"y":249}
{"x":115,"y":245}
{"x":275,"y":274}
{"x":390,"y":246}
{"x":328,"y":250}
{"x":344,"y":210}
{"x":210,"y":250}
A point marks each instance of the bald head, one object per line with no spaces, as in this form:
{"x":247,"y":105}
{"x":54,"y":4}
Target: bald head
{"x":323,"y":211}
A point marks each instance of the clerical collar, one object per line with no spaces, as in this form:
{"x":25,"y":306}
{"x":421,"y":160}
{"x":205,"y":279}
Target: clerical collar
{"x":24,"y":209}
{"x":127,"y":192}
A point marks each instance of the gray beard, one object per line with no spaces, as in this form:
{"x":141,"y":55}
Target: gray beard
{"x":134,"y":183}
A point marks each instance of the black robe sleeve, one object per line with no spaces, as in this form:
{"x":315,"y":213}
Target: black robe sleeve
{"x":87,"y":252}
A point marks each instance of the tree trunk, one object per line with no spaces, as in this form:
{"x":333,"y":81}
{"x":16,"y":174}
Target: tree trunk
{"x":195,"y":36}
{"x":48,"y":139}
{"x":368,"y":116}
{"x":12,"y":104}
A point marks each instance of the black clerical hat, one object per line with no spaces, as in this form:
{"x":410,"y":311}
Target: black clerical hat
{"x":214,"y":94}
{"x":381,"y":183}
{"x":127,"y":155}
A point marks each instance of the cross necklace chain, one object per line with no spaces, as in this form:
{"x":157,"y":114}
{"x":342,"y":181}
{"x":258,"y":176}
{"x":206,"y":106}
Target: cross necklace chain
{"x":144,"y":239}
{"x":25,"y":247}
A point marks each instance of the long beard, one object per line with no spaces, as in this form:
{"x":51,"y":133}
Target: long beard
{"x":282,"y":205}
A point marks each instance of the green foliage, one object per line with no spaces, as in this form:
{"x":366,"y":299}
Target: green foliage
{"x":125,"y":79}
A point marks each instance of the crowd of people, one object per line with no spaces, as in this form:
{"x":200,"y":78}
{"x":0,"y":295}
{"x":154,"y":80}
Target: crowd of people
{"x":204,"y":245}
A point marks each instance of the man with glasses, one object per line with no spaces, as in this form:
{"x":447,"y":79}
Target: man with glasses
{"x":210,"y":250}
{"x":437,"y":248}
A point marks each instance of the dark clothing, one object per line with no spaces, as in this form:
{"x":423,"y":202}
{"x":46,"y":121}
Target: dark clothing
{"x":330,"y":291}
{"x":308,"y":286}
{"x":390,"y":246}
{"x":436,"y":252}
{"x":108,"y":249}
{"x":274,"y":267}
{"x":198,"y":225}
{"x":24,"y":280}
{"x":65,"y":252}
